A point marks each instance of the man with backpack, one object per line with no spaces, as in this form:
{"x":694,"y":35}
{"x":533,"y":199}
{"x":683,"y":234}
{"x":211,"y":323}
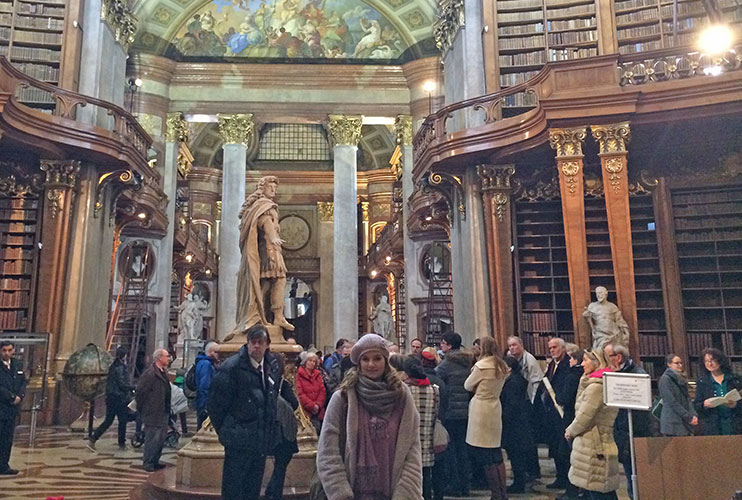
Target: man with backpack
{"x":205,"y":366}
{"x":333,"y":367}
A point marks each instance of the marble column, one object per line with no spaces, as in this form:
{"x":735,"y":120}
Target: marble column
{"x":345,"y":132}
{"x":236,"y":131}
{"x":176,"y":132}
{"x":325,"y":336}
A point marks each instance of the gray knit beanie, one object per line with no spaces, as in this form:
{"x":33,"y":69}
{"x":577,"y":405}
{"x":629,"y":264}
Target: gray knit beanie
{"x":369,"y":342}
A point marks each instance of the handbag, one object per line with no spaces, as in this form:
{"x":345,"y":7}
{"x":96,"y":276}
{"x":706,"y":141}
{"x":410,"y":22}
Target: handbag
{"x":316,"y":490}
{"x":440,"y":438}
{"x":657,"y":408}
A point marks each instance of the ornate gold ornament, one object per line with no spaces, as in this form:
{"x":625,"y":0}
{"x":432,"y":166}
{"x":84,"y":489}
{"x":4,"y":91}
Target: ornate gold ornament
{"x":612,"y":138}
{"x":613,"y":166}
{"x":176,"y":128}
{"x":61,"y":173}
{"x":184,"y":165}
{"x":364,"y":209}
{"x":495,"y":176}
{"x":55,"y":198}
{"x":403,"y":129}
{"x":344,"y":130}
{"x":122,"y":178}
{"x":219,"y":210}
{"x":236,"y":129}
{"x":570,"y":169}
{"x":501,"y":205}
{"x":326,"y":211}
{"x":450,"y":21}
{"x":567,"y":141}
{"x":122,"y":22}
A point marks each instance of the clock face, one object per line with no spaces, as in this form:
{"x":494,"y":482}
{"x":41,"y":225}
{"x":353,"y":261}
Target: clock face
{"x":295,"y":231}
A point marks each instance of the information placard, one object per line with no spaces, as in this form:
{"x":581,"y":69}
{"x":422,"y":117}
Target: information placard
{"x":627,"y":390}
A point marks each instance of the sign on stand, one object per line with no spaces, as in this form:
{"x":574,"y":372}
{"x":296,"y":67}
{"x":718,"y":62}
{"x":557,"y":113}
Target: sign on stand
{"x":628,"y":391}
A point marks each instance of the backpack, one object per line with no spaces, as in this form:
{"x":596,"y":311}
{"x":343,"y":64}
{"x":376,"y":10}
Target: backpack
{"x":190,"y":378}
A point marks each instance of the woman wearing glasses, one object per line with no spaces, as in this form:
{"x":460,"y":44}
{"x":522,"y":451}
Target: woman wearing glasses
{"x":678,"y":415}
{"x":717,"y":380}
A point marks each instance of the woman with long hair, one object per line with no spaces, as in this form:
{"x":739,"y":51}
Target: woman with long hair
{"x":594,"y":458}
{"x":717,"y":380}
{"x":484,"y":429}
{"x":369,"y":448}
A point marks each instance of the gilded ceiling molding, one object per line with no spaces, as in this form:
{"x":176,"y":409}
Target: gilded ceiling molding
{"x":236,"y":129}
{"x":567,"y":141}
{"x":176,"y":128}
{"x":326,"y":211}
{"x":612,"y":138}
{"x":344,"y":130}
{"x":450,"y":21}
{"x":122,"y":22}
{"x":403,"y":129}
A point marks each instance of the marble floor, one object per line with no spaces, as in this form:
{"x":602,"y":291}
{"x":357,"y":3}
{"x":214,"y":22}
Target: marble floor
{"x":59,"y":464}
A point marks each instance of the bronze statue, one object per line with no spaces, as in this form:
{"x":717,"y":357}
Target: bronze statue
{"x":262,"y":272}
{"x":606,"y":321}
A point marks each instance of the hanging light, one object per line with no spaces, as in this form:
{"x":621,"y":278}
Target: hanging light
{"x":716,"y":39}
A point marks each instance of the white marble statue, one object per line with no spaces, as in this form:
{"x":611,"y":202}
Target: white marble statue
{"x":382,"y":319}
{"x":606,"y":321}
{"x":191,"y":317}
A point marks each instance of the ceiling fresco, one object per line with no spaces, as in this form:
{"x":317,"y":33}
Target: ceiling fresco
{"x":373,"y":31}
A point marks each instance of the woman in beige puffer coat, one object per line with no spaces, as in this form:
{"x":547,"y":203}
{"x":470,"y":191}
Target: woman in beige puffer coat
{"x":594,"y":458}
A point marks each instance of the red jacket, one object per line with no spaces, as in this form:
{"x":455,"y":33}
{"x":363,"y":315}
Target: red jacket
{"x":311,"y":389}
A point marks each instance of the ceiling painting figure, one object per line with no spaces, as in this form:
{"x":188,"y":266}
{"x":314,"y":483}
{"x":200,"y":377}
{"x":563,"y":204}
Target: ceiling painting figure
{"x":293,"y":29}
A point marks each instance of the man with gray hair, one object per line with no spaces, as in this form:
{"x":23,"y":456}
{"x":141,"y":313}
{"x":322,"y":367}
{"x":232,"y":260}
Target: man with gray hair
{"x":206,"y":363}
{"x":153,"y":405}
{"x":529,"y":366}
{"x":621,"y":362}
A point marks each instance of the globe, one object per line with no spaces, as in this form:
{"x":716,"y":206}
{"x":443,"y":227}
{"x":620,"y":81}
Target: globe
{"x":86,"y":371}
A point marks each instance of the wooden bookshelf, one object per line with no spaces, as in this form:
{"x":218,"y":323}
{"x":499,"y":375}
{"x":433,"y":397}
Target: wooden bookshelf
{"x":18,"y":261}
{"x":599,"y":259}
{"x":708,"y":227}
{"x":542,"y":284}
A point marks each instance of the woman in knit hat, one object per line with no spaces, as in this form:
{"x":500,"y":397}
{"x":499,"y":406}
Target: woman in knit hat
{"x":369,"y":448}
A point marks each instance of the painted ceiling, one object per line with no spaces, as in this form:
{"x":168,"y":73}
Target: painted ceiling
{"x":373,"y":31}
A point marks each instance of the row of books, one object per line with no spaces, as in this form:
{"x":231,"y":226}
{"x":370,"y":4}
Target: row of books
{"x":558,"y":3}
{"x":17,"y":227}
{"x":718,"y":235}
{"x":35,"y":95}
{"x":12,"y":239}
{"x":572,"y":11}
{"x":48,"y":23}
{"x":640,"y":47}
{"x":520,"y":100}
{"x":734,"y":196}
{"x":39,"y":71}
{"x":638,"y":32}
{"x":520,"y":30}
{"x":633,"y":4}
{"x":639,"y":15}
{"x":15,"y":214}
{"x":510,"y":79}
{"x":525,"y":59}
{"x":509,"y":17}
{"x":14,"y":299}
{"x":17,"y":267}
{"x":40,"y":9}
{"x":6,"y":18}
{"x":3,"y":50}
{"x":520,"y":42}
{"x":35,"y":54}
{"x":649,"y":367}
{"x":716,"y":208}
{"x":13,"y":320}
{"x":566,"y":54}
{"x":519,"y":4}
{"x":704,"y":224}
{"x":570,"y":24}
{"x":539,"y":322}
{"x":652,"y":345}
{"x":6,"y":7}
{"x":572,"y":37}
{"x":38,"y":37}
{"x":684,"y":9}
{"x":15,"y":283}
{"x":18,"y":203}
{"x":15,"y":253}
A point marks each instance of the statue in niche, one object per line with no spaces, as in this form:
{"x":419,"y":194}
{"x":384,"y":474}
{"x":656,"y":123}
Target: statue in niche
{"x":261,"y":280}
{"x":382,"y":319}
{"x":191,"y":317}
{"x":606,"y":321}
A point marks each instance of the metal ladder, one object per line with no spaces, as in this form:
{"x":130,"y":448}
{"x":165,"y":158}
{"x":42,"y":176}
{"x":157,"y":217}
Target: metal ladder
{"x":440,"y":306}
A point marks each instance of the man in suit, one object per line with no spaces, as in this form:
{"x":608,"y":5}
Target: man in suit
{"x":12,"y":391}
{"x":153,"y":404}
{"x":557,"y":373}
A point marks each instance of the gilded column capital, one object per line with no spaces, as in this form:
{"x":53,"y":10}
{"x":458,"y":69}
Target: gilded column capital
{"x":567,"y":141}
{"x":61,"y":173}
{"x":122,"y":22}
{"x":364,"y":209}
{"x":450,"y":20}
{"x":403,"y":129}
{"x":613,"y":137}
{"x":326,"y":211}
{"x":344,"y":130}
{"x":495,"y":177}
{"x":176,"y":128}
{"x":236,"y":129}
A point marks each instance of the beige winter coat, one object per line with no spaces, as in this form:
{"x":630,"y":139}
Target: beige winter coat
{"x":484,"y":428}
{"x":337,"y":473}
{"x":594,"y":459}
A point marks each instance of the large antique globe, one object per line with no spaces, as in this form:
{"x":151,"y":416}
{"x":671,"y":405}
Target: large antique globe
{"x":86,"y":371}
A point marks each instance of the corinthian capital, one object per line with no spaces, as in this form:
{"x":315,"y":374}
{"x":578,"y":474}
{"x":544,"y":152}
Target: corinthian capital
{"x":567,"y":141}
{"x":61,"y":172}
{"x":613,"y":137}
{"x":495,"y":177}
{"x":236,"y":129}
{"x":344,"y":130}
{"x":403,"y":129}
{"x":176,"y":128}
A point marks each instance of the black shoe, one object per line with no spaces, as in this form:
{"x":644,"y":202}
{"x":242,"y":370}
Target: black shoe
{"x":149,"y":468}
{"x":9,"y":472}
{"x":160,"y":466}
{"x":557,"y":485}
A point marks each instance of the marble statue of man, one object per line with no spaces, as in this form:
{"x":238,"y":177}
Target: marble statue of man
{"x":382,"y":318}
{"x":261,"y":280}
{"x":606,"y":321}
{"x":191,"y":317}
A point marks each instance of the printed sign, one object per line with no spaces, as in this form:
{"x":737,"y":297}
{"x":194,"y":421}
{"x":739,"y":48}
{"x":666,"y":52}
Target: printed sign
{"x":631,"y":391}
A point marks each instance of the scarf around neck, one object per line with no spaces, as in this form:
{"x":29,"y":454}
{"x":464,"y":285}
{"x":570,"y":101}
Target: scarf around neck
{"x":377,"y":397}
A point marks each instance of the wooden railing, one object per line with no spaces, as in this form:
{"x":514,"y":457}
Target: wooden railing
{"x":123,"y":124}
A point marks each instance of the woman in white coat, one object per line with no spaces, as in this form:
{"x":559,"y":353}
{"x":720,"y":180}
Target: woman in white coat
{"x":484,"y":428}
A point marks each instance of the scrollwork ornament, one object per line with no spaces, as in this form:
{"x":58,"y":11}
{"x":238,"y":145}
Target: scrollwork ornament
{"x":344,"y":130}
{"x":567,"y":142}
{"x":450,"y":21}
{"x":501,"y":204}
{"x":403,"y":129}
{"x":570,"y":169}
{"x":55,"y":197}
{"x":176,"y":128}
{"x":365,"y":209}
{"x":614,"y":166}
{"x":236,"y":129}
{"x":326,"y":211}
{"x":495,"y":176}
{"x":122,"y":22}
{"x":61,"y":173}
{"x":612,"y":138}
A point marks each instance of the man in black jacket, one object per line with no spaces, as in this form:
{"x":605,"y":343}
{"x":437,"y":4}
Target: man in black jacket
{"x":618,"y":357}
{"x":242,"y":408}
{"x":153,"y":405}
{"x":12,"y":391}
{"x":118,"y":395}
{"x":453,"y":370}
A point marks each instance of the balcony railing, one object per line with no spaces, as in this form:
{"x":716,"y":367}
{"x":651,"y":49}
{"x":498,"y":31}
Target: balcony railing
{"x":668,"y":64}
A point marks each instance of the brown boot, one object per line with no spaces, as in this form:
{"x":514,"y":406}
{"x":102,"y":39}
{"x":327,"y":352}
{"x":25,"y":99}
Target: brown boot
{"x":496,"y":486}
{"x":503,"y":480}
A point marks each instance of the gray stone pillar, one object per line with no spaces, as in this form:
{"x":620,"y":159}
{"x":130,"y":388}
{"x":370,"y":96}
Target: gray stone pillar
{"x":345,"y":132}
{"x":175,"y":133}
{"x":235,"y":131}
